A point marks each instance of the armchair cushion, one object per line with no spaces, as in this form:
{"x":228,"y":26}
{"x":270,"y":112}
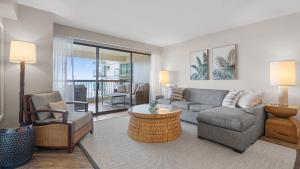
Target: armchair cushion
{"x":60,"y":105}
{"x":48,"y":120}
{"x":41,"y":101}
{"x":79,"y":119}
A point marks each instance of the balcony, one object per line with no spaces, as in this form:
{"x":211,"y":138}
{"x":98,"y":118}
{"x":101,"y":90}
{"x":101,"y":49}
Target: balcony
{"x":85,"y":90}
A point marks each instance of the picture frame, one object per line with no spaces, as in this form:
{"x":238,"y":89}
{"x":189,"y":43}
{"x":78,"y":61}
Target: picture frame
{"x":224,"y":62}
{"x":199,"y":65}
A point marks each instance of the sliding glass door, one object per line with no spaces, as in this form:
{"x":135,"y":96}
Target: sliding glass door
{"x":114,"y":80}
{"x":109,"y":79}
{"x":83,"y":75}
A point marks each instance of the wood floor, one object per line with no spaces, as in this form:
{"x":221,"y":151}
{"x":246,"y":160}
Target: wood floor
{"x":60,"y":159}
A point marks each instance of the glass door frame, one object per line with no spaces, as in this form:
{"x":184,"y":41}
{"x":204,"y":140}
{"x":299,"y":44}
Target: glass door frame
{"x":97,"y":72}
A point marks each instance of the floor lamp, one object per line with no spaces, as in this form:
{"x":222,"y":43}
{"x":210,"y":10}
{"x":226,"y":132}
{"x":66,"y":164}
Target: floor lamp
{"x":22,"y":52}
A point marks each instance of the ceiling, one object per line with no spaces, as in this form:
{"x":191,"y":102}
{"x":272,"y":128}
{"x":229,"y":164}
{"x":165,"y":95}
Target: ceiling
{"x":162,"y":22}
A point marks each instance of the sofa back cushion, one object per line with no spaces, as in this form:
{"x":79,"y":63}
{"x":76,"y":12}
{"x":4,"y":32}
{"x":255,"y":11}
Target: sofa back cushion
{"x":205,"y":96}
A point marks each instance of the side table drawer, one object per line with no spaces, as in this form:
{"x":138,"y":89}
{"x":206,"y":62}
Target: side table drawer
{"x":282,"y":129}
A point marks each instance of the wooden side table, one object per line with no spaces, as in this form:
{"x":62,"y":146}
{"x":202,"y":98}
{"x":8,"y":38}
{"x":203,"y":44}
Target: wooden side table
{"x":281,"y":125}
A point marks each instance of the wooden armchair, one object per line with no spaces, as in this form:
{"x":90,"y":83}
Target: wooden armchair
{"x":64,"y":132}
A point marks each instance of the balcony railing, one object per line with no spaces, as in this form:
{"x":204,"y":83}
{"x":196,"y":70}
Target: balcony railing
{"x":107,"y":86}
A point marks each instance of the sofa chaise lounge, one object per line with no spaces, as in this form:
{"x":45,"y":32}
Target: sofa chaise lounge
{"x":237,"y":128}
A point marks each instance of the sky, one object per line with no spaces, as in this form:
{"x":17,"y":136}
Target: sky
{"x":83,"y":68}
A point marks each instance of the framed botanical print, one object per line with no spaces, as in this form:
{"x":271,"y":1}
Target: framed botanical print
{"x":224,"y":61}
{"x":199,"y":69}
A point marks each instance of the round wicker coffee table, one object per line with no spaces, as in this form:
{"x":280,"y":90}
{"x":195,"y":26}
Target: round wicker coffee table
{"x":154,"y":125}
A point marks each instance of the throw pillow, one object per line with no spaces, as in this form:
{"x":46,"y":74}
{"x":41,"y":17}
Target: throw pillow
{"x":249,"y":99}
{"x":41,"y":101}
{"x":175,"y":93}
{"x":166,"y":90}
{"x":231,"y":98}
{"x":60,"y":105}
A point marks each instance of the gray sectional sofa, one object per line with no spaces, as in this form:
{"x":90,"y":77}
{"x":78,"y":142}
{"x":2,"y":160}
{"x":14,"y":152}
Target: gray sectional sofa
{"x":234,"y":127}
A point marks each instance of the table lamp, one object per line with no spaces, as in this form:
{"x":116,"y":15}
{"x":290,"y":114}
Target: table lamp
{"x":22,"y":52}
{"x":164,"y":77}
{"x":164,"y":80}
{"x":283,"y":74}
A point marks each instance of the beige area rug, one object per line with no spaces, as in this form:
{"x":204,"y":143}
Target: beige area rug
{"x":110,"y":148}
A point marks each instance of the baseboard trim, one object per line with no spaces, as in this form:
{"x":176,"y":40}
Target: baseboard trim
{"x":89,"y":157}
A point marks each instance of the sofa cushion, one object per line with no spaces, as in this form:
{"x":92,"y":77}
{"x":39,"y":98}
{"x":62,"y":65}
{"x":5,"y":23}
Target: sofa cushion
{"x":182,"y":104}
{"x":79,"y":119}
{"x":225,"y":117}
{"x":189,"y":116}
{"x":41,"y":101}
{"x":200,"y":107}
{"x":163,"y":101}
{"x":205,"y":96}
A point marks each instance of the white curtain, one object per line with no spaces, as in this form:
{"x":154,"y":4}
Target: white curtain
{"x":1,"y":71}
{"x":154,"y":75}
{"x":63,"y":72}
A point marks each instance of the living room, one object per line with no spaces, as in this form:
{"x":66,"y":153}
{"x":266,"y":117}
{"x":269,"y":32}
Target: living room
{"x":167,"y":85}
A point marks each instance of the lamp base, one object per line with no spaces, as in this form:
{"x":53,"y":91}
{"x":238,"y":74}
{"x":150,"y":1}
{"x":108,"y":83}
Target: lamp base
{"x":283,"y":96}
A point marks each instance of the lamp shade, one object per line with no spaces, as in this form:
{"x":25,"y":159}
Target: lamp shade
{"x":164,"y":76}
{"x":21,"y":51}
{"x":283,"y":73}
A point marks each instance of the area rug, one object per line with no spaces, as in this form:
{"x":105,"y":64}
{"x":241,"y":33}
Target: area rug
{"x":110,"y":148}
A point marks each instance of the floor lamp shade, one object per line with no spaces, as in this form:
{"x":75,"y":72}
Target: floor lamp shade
{"x":21,"y":51}
{"x":283,"y":74}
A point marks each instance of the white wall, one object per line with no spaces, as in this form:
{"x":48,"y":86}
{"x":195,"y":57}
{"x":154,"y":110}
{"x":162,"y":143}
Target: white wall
{"x":35,"y":26}
{"x":258,"y":45}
